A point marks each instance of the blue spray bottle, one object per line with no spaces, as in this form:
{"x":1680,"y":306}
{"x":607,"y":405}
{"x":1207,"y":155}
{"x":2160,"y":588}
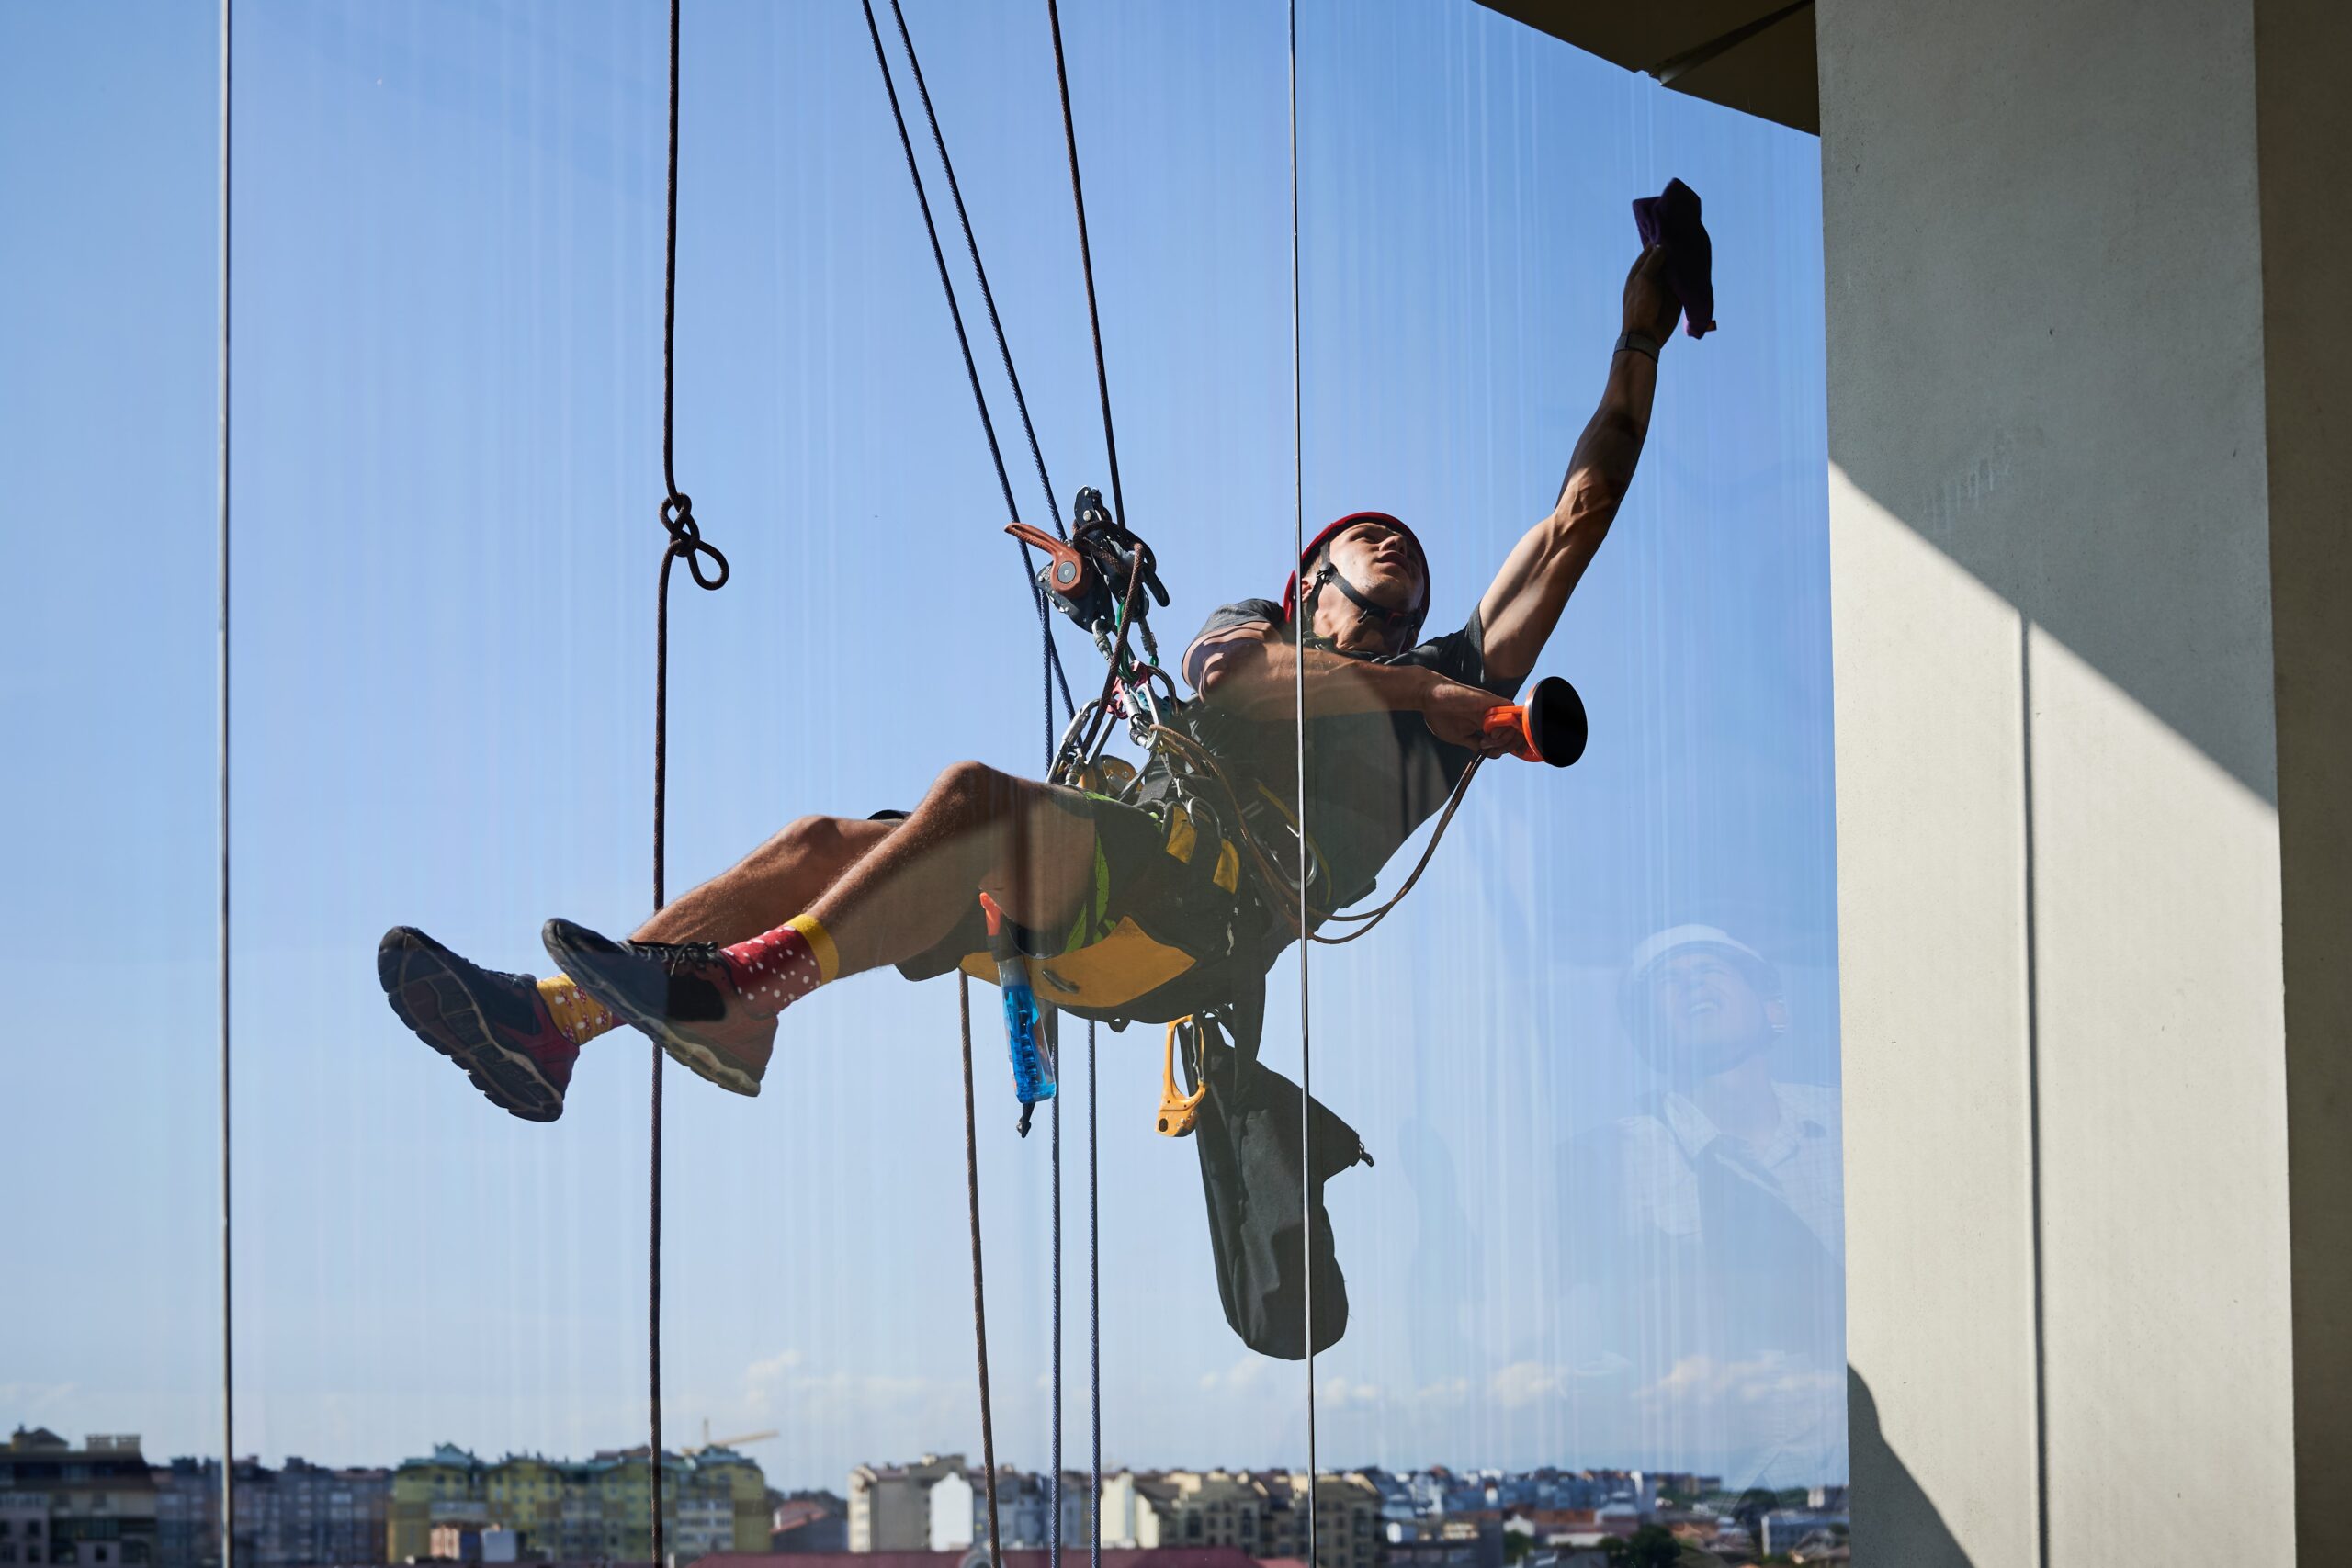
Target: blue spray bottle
{"x":1026,"y":1036}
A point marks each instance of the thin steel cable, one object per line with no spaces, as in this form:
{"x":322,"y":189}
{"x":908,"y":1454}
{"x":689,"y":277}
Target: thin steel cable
{"x":980,"y":1292}
{"x":1298,"y":686}
{"x":685,"y":540}
{"x":971,"y":366}
{"x":1086,"y":265}
{"x":228,"y":1315}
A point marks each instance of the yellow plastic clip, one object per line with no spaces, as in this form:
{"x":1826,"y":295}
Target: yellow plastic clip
{"x":1177,"y":1112}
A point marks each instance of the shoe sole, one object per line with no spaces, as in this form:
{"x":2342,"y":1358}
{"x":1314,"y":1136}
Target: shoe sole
{"x":431,"y":998}
{"x":697,"y":1055}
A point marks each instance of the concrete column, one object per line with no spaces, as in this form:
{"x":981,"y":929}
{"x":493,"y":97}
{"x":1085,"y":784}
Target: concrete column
{"x":2090,"y":419}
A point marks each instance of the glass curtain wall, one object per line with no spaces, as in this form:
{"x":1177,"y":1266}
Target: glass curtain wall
{"x":1592,"y":1058}
{"x":1596,"y":1276}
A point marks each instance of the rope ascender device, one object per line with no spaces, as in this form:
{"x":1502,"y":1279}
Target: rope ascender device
{"x":1106,"y":579}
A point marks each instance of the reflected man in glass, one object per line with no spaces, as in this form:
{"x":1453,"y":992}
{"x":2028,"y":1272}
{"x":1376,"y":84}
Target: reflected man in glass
{"x":1707,"y":1245}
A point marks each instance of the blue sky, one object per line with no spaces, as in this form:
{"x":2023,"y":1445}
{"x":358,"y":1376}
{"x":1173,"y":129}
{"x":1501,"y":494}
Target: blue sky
{"x":450,"y":247}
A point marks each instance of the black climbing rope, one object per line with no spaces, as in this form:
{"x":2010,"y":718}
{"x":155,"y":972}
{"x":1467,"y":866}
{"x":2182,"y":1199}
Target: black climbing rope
{"x":1103,"y":388}
{"x":971,"y":366}
{"x":1052,"y":671}
{"x":1086,"y":264}
{"x":685,"y":540}
{"x":988,"y":294}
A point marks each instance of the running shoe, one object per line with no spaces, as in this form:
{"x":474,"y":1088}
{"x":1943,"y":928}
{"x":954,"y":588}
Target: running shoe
{"x":495,"y":1026}
{"x":680,"y":993}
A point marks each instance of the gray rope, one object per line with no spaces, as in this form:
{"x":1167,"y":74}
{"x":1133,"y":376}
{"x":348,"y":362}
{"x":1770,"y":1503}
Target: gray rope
{"x":1298,"y":679}
{"x":228,"y":1317}
{"x":1054,"y":1528}
{"x":1094,"y":1306}
{"x":980,"y":1293}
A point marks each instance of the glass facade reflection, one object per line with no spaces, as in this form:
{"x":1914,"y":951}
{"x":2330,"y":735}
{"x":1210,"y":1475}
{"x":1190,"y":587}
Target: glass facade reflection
{"x":1593,"y":1262}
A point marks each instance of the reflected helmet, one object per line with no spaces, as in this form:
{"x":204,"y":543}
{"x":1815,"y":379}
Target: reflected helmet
{"x":1633,"y":998}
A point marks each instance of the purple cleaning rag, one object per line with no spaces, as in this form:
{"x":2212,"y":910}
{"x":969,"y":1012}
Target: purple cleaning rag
{"x":1672,"y":219}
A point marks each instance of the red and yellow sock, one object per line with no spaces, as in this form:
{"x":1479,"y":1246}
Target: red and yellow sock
{"x":578,"y":1016}
{"x":777,"y":968}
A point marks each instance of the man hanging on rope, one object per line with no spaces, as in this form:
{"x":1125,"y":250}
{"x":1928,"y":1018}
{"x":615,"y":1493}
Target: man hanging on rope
{"x":1140,"y":907}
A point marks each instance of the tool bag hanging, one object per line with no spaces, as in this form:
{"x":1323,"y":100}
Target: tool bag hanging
{"x":1259,"y":1189}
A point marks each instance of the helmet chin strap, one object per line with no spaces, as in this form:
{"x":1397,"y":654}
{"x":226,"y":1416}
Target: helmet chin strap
{"x":1389,"y":621}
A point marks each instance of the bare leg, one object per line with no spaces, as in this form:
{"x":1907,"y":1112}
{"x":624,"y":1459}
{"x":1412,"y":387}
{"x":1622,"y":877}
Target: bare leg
{"x":977,"y":830}
{"x":771,"y":884}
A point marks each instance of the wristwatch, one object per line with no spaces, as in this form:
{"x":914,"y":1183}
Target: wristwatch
{"x":1639,"y":343}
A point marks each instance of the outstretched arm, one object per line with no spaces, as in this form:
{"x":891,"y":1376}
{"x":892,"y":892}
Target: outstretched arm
{"x":1525,"y":600}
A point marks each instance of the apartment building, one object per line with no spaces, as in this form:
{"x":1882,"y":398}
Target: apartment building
{"x":714,"y":1500}
{"x":93,"y":1506}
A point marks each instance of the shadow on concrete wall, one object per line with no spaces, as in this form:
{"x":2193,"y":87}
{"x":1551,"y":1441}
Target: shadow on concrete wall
{"x":2116,"y":493}
{"x":1888,"y":1503}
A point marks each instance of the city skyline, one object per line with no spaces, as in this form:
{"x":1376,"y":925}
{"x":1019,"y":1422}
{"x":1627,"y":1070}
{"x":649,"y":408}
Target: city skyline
{"x":1004,"y":1462}
{"x":103,"y":1504}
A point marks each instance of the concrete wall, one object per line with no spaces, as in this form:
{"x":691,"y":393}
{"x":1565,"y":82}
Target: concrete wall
{"x":2062,"y":469}
{"x":2304,"y":133}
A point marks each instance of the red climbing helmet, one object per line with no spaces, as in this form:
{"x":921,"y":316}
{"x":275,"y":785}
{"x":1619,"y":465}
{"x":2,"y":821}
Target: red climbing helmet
{"x":1402,"y":625}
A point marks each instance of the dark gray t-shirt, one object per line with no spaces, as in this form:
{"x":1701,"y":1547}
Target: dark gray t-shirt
{"x":1371,"y":777}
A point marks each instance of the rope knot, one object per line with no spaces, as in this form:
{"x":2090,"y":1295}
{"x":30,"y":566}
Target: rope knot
{"x":686,"y":540}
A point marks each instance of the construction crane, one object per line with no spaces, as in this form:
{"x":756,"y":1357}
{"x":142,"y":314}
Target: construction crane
{"x":708,"y":1442}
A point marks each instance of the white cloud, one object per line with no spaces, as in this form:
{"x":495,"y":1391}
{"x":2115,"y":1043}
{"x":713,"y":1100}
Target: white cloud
{"x":785,"y":1384}
{"x":33,"y":1398}
{"x":1774,"y":1375}
{"x":1523,"y":1383}
{"x":1245,"y":1376}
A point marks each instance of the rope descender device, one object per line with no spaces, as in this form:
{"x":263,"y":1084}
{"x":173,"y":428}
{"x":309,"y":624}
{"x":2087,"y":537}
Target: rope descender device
{"x":1180,"y":1111}
{"x":1105,"y":577}
{"x":1088,"y":574}
{"x":1028,"y":1040}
